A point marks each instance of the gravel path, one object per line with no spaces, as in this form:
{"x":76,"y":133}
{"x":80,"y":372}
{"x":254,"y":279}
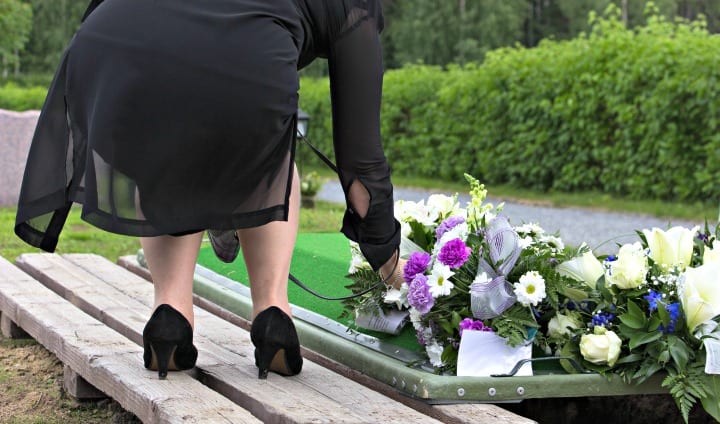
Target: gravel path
{"x":602,"y":231}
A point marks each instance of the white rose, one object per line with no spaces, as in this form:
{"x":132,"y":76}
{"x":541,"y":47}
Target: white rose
{"x":585,"y":268}
{"x":630,"y":268}
{"x":600,"y":348}
{"x":712,"y":256}
{"x":699,"y":294}
{"x":562,"y":325}
{"x":673,"y":247}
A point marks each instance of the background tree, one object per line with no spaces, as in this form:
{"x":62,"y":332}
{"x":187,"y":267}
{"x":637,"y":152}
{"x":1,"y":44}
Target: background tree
{"x":15,"y":26}
{"x":53,"y":24}
{"x":440,"y":32}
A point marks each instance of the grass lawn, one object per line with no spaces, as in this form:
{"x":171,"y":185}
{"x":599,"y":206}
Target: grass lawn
{"x":81,"y":237}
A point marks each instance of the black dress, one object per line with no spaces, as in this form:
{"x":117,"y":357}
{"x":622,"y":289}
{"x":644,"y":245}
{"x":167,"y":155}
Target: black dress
{"x":173,"y":116}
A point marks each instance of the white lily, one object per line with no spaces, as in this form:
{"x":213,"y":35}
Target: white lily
{"x":712,"y":255}
{"x":673,"y":247}
{"x":699,"y":294}
{"x":585,"y":268}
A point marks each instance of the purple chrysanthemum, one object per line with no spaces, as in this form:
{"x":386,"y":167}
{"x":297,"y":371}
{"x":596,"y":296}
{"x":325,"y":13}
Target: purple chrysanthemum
{"x":417,"y":264}
{"x":419,"y":335}
{"x":448,"y":225}
{"x":419,"y":296}
{"x":471,"y":324}
{"x":454,"y":253}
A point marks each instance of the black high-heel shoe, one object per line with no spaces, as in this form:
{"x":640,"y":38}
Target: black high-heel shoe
{"x":168,"y":342}
{"x":277,"y":347}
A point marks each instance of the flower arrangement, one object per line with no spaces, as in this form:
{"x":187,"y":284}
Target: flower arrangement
{"x":467,"y":269}
{"x":652,"y":307}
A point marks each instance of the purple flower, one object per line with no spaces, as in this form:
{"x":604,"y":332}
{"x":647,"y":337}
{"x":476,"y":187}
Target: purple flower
{"x":454,"y":253}
{"x":419,"y":335}
{"x":419,"y":296}
{"x":448,"y":225}
{"x":416,"y":264}
{"x":471,"y":324}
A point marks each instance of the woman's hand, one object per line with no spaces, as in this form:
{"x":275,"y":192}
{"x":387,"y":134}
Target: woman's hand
{"x":392,"y":271}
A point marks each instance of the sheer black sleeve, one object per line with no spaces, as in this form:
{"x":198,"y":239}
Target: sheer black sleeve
{"x":356,"y":76}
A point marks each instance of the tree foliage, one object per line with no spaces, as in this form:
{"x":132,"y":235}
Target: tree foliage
{"x":15,"y":26}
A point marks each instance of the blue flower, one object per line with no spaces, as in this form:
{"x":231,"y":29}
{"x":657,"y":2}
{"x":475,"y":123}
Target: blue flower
{"x":652,"y":297}
{"x":674,"y":312}
{"x":602,"y":319}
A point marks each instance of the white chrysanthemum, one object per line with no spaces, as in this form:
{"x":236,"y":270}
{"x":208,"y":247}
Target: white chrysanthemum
{"x":530,"y":229}
{"x":434,"y":352}
{"x":397,"y":296}
{"x":525,"y":242}
{"x":553,"y":241}
{"x":530,"y":290}
{"x":439,"y":280}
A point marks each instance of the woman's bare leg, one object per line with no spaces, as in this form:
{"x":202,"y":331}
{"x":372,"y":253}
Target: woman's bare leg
{"x":267,"y":251}
{"x":171,"y":261}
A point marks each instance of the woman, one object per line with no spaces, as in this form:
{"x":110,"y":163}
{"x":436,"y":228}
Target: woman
{"x":168,"y":117}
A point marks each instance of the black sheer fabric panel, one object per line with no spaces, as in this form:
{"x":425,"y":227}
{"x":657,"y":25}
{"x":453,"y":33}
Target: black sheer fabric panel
{"x":171,"y":116}
{"x":356,"y":72}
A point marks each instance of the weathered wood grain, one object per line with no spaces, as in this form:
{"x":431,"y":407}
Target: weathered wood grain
{"x":107,"y":360}
{"x":451,"y":413}
{"x":123,"y":300}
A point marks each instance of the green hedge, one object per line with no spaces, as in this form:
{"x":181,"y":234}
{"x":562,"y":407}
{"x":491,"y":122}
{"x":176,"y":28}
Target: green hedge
{"x":14,"y":97}
{"x":633,"y":113}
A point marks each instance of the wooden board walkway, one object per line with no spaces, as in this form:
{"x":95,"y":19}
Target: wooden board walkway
{"x":91,"y":313}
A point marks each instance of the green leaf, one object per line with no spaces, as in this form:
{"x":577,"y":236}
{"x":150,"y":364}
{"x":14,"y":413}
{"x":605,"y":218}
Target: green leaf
{"x":711,"y":402}
{"x":663,"y":313}
{"x":629,"y":359}
{"x":633,"y":321}
{"x":679,"y":351}
{"x":643,"y":338}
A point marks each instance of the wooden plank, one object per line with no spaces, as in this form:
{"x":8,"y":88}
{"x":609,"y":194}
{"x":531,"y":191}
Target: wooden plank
{"x":10,"y":330}
{"x":79,"y":388}
{"x":124,"y":300}
{"x":450,"y":413}
{"x":107,"y":360}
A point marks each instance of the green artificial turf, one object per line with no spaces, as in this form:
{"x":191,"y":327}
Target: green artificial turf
{"x":321,"y":261}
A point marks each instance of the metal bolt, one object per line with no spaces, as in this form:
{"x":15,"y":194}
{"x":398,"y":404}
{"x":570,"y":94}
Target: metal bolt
{"x":492,"y":391}
{"x":461,"y":392}
{"x":521,"y":390}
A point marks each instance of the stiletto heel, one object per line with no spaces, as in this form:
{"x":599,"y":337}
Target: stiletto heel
{"x":168,"y":342}
{"x":277,"y":347}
